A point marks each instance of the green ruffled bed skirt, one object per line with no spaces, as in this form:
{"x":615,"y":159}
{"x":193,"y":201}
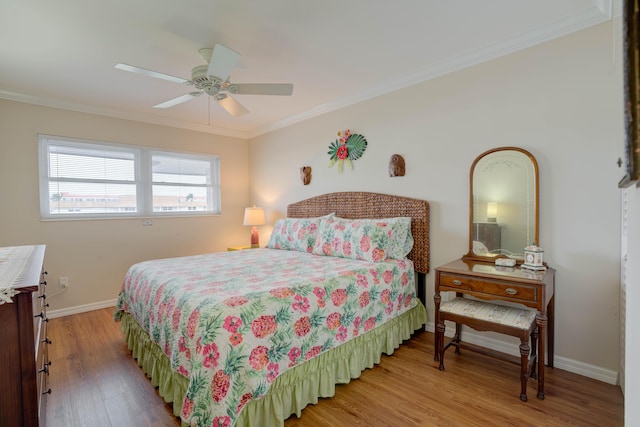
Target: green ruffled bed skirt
{"x":292,"y":390}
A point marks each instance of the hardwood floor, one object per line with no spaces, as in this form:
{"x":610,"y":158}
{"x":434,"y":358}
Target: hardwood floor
{"x":96,"y":383}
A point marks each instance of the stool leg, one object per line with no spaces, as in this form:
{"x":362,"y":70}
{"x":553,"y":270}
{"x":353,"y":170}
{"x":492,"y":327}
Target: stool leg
{"x":524,"y":364}
{"x":440,"y":328}
{"x":458,"y":337}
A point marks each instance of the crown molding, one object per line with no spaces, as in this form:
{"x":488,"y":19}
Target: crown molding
{"x":118,"y":114}
{"x":600,"y":11}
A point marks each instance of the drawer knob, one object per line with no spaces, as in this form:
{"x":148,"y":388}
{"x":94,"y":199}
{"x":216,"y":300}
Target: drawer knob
{"x":47,"y":392}
{"x":45,"y":369}
{"x":46,"y":341}
{"x":40,"y":315}
{"x":457,"y":282}
{"x":512,"y":291}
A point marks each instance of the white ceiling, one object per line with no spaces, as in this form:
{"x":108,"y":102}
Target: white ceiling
{"x":335,"y":52}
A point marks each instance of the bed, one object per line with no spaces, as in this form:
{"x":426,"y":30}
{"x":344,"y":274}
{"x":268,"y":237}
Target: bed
{"x":250,"y":337}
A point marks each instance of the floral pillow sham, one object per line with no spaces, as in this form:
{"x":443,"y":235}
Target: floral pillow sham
{"x":295,"y":234}
{"x":371,"y":240}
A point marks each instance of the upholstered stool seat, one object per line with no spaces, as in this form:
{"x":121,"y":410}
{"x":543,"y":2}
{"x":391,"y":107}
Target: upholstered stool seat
{"x":486,"y":316}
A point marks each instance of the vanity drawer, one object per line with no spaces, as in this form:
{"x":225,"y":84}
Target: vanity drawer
{"x":489,"y":288}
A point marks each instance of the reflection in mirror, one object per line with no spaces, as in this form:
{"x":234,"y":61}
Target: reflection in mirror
{"x":504,"y":203}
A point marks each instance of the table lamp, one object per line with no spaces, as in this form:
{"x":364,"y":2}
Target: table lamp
{"x":492,"y":211}
{"x":254,"y":216}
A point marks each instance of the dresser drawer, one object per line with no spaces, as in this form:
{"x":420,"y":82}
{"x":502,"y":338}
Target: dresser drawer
{"x":489,"y":288}
{"x":43,"y":366}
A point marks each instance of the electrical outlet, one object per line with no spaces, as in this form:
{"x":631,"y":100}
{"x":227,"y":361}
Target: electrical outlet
{"x":63,"y":281}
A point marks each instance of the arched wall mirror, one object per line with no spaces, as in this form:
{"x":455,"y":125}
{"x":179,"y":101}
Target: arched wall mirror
{"x":503,"y":206}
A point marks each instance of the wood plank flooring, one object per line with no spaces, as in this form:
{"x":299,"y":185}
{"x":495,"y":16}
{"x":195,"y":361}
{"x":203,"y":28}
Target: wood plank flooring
{"x":96,"y":383}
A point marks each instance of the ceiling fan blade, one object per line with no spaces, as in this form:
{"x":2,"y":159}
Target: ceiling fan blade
{"x":178,"y":100}
{"x":150,"y":73}
{"x":232,"y":106}
{"x":223,"y":61}
{"x":284,"y":89}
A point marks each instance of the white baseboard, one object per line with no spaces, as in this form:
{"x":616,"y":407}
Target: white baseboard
{"x":52,"y":314}
{"x":559,"y":362}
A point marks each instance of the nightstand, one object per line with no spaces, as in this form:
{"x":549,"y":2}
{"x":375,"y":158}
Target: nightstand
{"x":238,"y":248}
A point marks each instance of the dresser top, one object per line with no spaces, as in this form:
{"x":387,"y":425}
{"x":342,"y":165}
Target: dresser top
{"x":20,"y":266}
{"x":488,"y":269}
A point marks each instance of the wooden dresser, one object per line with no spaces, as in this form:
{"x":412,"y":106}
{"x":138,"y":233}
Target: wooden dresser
{"x":23,"y":336}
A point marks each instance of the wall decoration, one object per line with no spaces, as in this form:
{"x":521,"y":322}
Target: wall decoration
{"x":396,"y":165}
{"x":305,"y":174}
{"x":347,"y":147}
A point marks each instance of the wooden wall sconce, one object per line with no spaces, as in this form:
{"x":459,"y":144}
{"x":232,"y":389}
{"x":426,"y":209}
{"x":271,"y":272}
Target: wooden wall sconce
{"x":396,"y":165}
{"x":305,"y":174}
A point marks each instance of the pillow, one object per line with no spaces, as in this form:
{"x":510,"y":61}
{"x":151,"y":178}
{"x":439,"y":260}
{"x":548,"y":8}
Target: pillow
{"x":479,"y":248}
{"x":403,"y":241}
{"x":366,"y":239}
{"x":295,"y":234}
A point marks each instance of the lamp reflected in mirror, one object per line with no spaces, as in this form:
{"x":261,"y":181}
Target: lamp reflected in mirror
{"x":492,"y":211}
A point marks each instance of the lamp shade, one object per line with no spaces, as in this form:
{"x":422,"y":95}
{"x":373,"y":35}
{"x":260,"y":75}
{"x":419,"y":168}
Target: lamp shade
{"x":254,"y":216}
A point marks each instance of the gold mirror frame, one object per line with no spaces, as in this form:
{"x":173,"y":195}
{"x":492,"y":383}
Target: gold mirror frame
{"x":532,"y":211}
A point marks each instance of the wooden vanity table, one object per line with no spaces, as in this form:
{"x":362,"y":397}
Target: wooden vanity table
{"x":507,"y":176}
{"x":486,"y":281}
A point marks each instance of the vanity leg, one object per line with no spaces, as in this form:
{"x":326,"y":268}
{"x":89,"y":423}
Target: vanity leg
{"x":550,"y":331}
{"x":541,"y":321}
{"x":436,"y":343}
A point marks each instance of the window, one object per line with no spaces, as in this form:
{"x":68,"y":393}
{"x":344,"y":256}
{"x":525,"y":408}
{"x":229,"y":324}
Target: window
{"x":81,"y":179}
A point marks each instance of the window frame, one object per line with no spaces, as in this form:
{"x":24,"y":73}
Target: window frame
{"x":143,"y":180}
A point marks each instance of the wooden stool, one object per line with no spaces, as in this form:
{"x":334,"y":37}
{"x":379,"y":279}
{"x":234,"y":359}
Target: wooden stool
{"x":486,"y":316}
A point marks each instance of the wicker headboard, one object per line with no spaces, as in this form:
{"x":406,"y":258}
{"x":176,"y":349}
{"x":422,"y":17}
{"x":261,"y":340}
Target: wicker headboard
{"x":353,"y":204}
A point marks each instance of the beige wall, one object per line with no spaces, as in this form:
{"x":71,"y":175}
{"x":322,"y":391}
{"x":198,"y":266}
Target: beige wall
{"x":95,"y":254}
{"x":562,"y":101}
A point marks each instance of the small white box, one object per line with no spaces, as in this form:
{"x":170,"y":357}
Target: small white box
{"x":505,"y":262}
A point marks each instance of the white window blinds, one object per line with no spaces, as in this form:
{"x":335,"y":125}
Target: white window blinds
{"x":83,"y":179}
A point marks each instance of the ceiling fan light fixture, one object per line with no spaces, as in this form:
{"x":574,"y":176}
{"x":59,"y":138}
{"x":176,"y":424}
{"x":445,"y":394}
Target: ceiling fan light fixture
{"x":232,"y":106}
{"x":213,"y":79}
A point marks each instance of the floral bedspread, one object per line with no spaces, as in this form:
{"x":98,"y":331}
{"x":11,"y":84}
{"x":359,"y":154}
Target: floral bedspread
{"x":231,"y":322}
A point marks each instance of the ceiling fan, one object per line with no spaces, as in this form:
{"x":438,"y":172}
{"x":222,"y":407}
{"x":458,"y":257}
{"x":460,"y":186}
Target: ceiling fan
{"x":213,"y":79}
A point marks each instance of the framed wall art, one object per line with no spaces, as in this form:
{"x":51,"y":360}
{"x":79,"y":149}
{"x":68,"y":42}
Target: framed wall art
{"x":631,"y":59}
